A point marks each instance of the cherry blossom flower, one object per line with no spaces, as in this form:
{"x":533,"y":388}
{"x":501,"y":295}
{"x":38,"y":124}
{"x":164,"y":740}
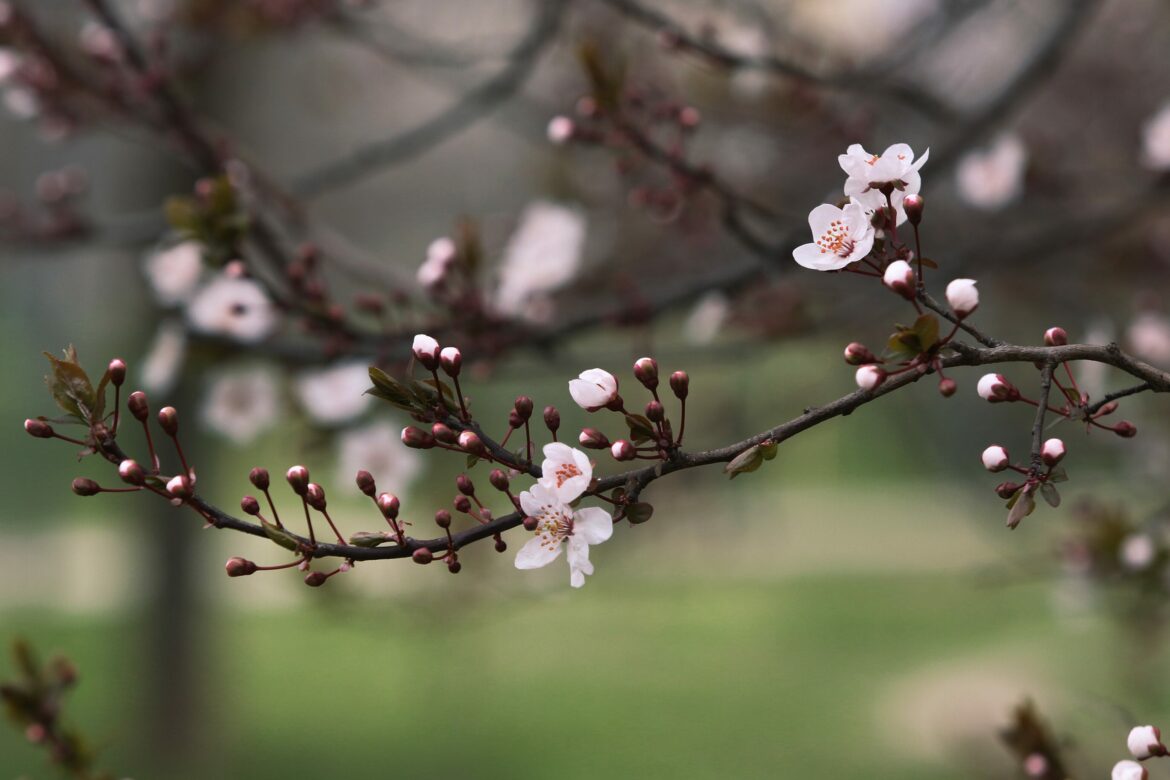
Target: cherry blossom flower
{"x":1145,"y":741}
{"x":164,"y":358}
{"x":540,"y":257}
{"x":593,"y":389}
{"x":233,"y":307}
{"x":559,"y":527}
{"x":1148,"y":337}
{"x":990,"y":179}
{"x":441,"y":255}
{"x":378,"y":449}
{"x":174,"y":272}
{"x":840,"y":237}
{"x":867,"y":172}
{"x":1156,"y":140}
{"x":707,"y":318}
{"x":241,"y":404}
{"x":1129,"y":770}
{"x":560,"y":130}
{"x":565,"y":472}
{"x":335,"y":394}
{"x":962,"y":296}
{"x":1136,"y":553}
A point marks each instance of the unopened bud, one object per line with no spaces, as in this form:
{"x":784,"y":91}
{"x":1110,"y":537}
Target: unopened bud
{"x":117,"y":372}
{"x":552,"y":418}
{"x":464,"y":484}
{"x":1052,"y":452}
{"x":179,"y":487}
{"x":593,"y":439}
{"x":485,"y":514}
{"x":422,"y":555}
{"x":454,"y":566}
{"x":315,"y":496}
{"x":315,"y":579}
{"x":947,"y":387}
{"x":85,"y":487}
{"x":250,"y":505}
{"x":622,"y":450}
{"x":899,"y":277}
{"x":1129,"y":770}
{"x":498,"y":479}
{"x":995,"y":388}
{"x":259,"y":478}
{"x":443,"y":433}
{"x":1055,"y":337}
{"x":131,"y":473}
{"x":995,"y":458}
{"x":531,"y":523}
{"x":1006,"y":490}
{"x":462,"y":503}
{"x":962,"y":297}
{"x":298,"y":478}
{"x":469,"y":442}
{"x":388,"y":504}
{"x":913,"y":205}
{"x":655,"y":412}
{"x":138,"y":406}
{"x":523,"y":407}
{"x":38,"y":428}
{"x":501,"y":545}
{"x":426,"y":351}
{"x":452,"y":360}
{"x":515,"y":420}
{"x":680,"y":383}
{"x":365,"y":483}
{"x":1125,"y":429}
{"x":443,"y":518}
{"x":239,"y":567}
{"x":417,"y":438}
{"x":1107,"y":409}
{"x":560,"y":130}
{"x":646,"y":372}
{"x":869,"y":377}
{"x":1145,"y":741}
{"x":168,"y":420}
{"x":857,"y":354}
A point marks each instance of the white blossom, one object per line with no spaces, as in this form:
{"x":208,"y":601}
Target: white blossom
{"x":1145,"y":741}
{"x":1156,"y":140}
{"x":174,"y":272}
{"x":441,"y":255}
{"x":242,"y":403}
{"x":1129,"y":770}
{"x":1148,"y":337}
{"x":1137,"y":552}
{"x":707,"y":318}
{"x":867,"y":172}
{"x":237,"y":308}
{"x":991,"y":178}
{"x":593,"y":389}
{"x":9,"y":64}
{"x":22,"y":102}
{"x":995,"y":458}
{"x":335,"y":394}
{"x":840,"y":237}
{"x":560,"y":130}
{"x":164,"y":358}
{"x":378,"y":449}
{"x":542,"y":255}
{"x":962,"y":296}
{"x":559,"y":527}
{"x":566,"y":472}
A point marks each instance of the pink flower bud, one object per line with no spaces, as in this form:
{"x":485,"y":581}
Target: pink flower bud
{"x":680,"y":383}
{"x":464,"y":484}
{"x":365,"y":483}
{"x":298,"y":478}
{"x":452,"y":360}
{"x":646,"y":372}
{"x":239,"y":567}
{"x":138,"y":406}
{"x":168,"y":420}
{"x":454,"y":566}
{"x":426,"y":351}
{"x":38,"y":428}
{"x":389,"y":504}
{"x":443,"y":518}
{"x":593,"y":439}
{"x":117,"y":371}
{"x":250,"y":505}
{"x":85,"y":487}
{"x":315,"y":496}
{"x":316,"y":579}
{"x":179,"y":487}
{"x":417,"y":438}
{"x":1145,"y":741}
{"x":462,"y":504}
{"x":1129,"y":770}
{"x":523,"y":407}
{"x":552,"y":419}
{"x":899,"y":277}
{"x":962,"y":297}
{"x":1052,"y":452}
{"x":259,"y":478}
{"x":422,"y":555}
{"x":131,"y":473}
{"x":689,"y":117}
{"x":622,"y":450}
{"x":560,"y":130}
{"x":1125,"y":429}
{"x":869,"y":376}
{"x":1055,"y":337}
{"x":1107,"y":409}
{"x":531,"y":523}
{"x":471,"y":443}
{"x":857,"y":354}
{"x":913,"y":205}
{"x":995,"y":388}
{"x":995,"y":458}
{"x":443,"y":434}
{"x":499,"y":480}
{"x":947,"y":387}
{"x":655,"y":412}
{"x":1006,"y":490}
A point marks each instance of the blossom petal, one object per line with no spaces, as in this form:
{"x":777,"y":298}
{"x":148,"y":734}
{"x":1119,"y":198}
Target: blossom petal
{"x":539,"y":500}
{"x":579,"y":564}
{"x":811,"y":256}
{"x":820,"y":218}
{"x":535,"y":554}
{"x":592,"y":524}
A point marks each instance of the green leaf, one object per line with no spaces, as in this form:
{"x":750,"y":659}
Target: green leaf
{"x":281,"y":536}
{"x":748,"y":460}
{"x":390,"y":389}
{"x":926,"y":329}
{"x":639,"y":512}
{"x":471,"y":461}
{"x":641,"y":429}
{"x":1024,"y":505}
{"x":1051,"y":494}
{"x":70,"y":387}
{"x":368,"y":539}
{"x":927,"y":262}
{"x":1058,"y":474}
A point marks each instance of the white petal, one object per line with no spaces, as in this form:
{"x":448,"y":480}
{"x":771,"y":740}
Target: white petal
{"x":579,"y":564}
{"x":536,"y":500}
{"x":592,"y":524}
{"x":534,"y":554}
{"x":811,"y":256}
{"x":820,"y":218}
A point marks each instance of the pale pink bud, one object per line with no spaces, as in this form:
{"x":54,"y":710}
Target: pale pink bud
{"x":995,"y":458}
{"x":962,"y":297}
{"x":131,"y":473}
{"x":622,"y":450}
{"x":426,"y":351}
{"x":560,"y":130}
{"x":1145,"y":741}
{"x":899,"y":277}
{"x":388,"y":503}
{"x":857,"y":354}
{"x":1055,"y":337}
{"x":869,"y":376}
{"x":646,"y":371}
{"x":179,"y":487}
{"x":1052,"y":452}
{"x":298,"y":479}
{"x":1129,"y":770}
{"x":417,"y":438}
{"x":593,"y":439}
{"x":470,"y":442}
{"x":452,"y":360}
{"x":995,"y":388}
{"x":593,"y":389}
{"x":913,"y":205}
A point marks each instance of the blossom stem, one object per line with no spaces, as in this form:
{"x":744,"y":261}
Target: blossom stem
{"x":117,"y":409}
{"x":272,"y":506}
{"x":154,"y":463}
{"x":528,"y":441}
{"x":328,"y":519}
{"x":309,"y":521}
{"x":459,"y":395}
{"x":69,"y":439}
{"x":682,"y":422}
{"x":280,"y":566}
{"x":918,"y":259}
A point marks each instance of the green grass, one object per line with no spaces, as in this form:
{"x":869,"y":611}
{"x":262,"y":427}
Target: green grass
{"x":622,"y":679}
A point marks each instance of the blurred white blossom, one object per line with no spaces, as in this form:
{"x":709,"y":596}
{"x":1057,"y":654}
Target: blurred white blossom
{"x":164,"y":358}
{"x":237,"y":308}
{"x":541,"y":256}
{"x":993,"y":177}
{"x":707,"y":318}
{"x":241,"y":404}
{"x":174,"y":272}
{"x":1148,"y":337}
{"x":378,"y":449}
{"x":335,"y":394}
{"x":1156,"y":140}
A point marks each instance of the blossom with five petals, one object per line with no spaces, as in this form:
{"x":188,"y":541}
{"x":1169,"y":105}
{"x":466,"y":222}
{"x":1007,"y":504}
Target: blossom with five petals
{"x":560,"y":527}
{"x":565,"y":472}
{"x":840,"y":237}
{"x":868,"y":172}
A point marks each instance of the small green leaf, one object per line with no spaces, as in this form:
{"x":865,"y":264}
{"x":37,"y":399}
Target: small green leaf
{"x":390,"y":389}
{"x":368,"y":539}
{"x":1024,"y":506}
{"x":71,"y":388}
{"x":471,"y":461}
{"x":1051,"y":494}
{"x":927,"y":262}
{"x":281,"y":536}
{"x":769,"y":449}
{"x":639,"y":512}
{"x":641,"y":429}
{"x":1058,"y":474}
{"x":926,"y":329}
{"x":748,"y":460}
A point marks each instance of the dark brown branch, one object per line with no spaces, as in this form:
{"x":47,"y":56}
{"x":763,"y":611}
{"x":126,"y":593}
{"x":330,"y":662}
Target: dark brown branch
{"x":1041,"y":411}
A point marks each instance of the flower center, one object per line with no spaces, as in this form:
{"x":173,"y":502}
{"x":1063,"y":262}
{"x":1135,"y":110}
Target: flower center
{"x":553,"y":525}
{"x":565,"y":472}
{"x":836,"y":239}
{"x":873,"y":158}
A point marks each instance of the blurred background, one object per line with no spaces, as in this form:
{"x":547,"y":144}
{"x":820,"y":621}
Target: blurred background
{"x":853,"y":609}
